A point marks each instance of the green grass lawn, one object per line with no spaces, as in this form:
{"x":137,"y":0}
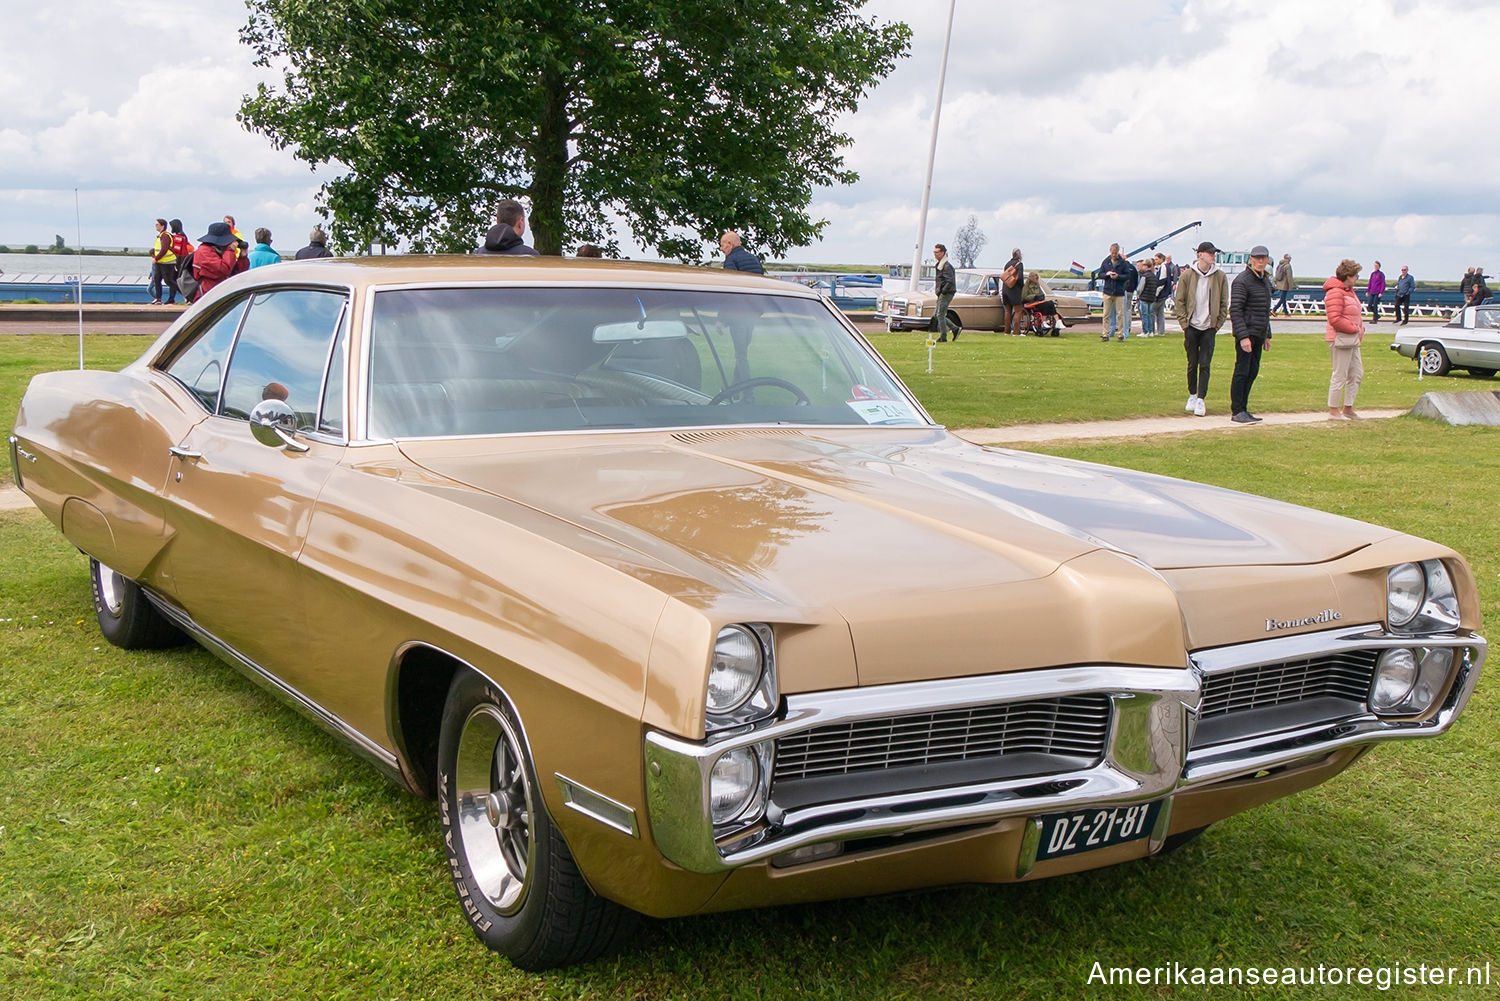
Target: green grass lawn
{"x":986,"y":380}
{"x":169,"y":831}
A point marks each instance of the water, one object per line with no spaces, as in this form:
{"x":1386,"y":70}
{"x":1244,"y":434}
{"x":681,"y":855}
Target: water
{"x":57,"y":264}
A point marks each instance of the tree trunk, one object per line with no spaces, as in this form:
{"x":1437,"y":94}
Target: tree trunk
{"x":550,"y":182}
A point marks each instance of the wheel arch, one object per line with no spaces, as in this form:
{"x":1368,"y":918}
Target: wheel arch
{"x":420,"y":677}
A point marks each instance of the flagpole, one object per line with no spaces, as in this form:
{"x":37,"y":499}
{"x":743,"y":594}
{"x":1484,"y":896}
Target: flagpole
{"x":937,"y":110}
{"x":78,"y":220}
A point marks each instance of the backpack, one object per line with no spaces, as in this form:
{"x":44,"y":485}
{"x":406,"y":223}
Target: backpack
{"x":186,"y":283}
{"x":181,"y":247}
{"x":1008,"y":277}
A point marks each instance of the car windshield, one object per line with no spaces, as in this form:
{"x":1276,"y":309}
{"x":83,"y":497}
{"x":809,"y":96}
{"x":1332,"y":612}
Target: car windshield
{"x":969,"y":284}
{"x":475,"y":361}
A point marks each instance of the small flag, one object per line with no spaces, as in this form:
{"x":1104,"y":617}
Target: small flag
{"x":1077,"y":269}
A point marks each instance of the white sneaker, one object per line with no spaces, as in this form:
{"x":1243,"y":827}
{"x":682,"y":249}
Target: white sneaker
{"x":1198,"y":408}
{"x":1191,"y":404}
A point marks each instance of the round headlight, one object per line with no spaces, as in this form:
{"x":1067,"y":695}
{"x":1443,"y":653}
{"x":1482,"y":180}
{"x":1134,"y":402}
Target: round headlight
{"x":1432,"y":678}
{"x":733,"y":784}
{"x":1405,"y":589}
{"x":735,"y":672}
{"x":1395,"y":674}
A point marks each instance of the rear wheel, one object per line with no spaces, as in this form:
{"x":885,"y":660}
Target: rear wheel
{"x":1482,"y":373}
{"x":126,"y":616}
{"x":1433,"y":360}
{"x":954,"y":327}
{"x":519,"y":887}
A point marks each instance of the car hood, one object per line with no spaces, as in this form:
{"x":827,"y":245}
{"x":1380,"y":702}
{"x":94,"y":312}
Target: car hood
{"x":841,"y":509}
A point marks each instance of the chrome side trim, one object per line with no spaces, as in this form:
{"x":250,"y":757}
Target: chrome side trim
{"x":16,"y":454}
{"x":597,"y":806}
{"x":362,"y":745}
{"x":1142,"y":760}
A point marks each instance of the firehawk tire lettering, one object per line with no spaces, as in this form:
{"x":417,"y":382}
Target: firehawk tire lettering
{"x":557,"y":920}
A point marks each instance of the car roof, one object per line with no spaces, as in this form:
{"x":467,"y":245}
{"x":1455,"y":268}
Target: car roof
{"x":403,"y":269}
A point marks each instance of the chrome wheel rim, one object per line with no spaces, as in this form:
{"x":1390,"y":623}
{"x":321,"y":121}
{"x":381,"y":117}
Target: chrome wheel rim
{"x":111,"y":590}
{"x":495,"y":807}
{"x":1431,"y":361}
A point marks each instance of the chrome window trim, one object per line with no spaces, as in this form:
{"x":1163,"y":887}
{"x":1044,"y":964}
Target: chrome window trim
{"x":338,"y":331}
{"x":360,"y":399}
{"x":234,"y":346}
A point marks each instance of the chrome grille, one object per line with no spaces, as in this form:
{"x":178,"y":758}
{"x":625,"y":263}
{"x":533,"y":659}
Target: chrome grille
{"x":1075,"y":725}
{"x":1342,"y":676}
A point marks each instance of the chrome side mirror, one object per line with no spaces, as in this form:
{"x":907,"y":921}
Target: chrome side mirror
{"x":274,"y":423}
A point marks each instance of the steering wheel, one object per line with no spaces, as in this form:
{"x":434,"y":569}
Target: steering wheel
{"x":729,"y":392}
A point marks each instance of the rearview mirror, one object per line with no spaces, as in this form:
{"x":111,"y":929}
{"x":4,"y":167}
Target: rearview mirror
{"x":639,"y":330}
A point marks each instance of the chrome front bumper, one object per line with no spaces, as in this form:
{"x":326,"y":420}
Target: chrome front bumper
{"x":1148,"y":754}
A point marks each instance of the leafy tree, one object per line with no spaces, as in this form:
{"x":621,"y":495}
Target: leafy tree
{"x":969,"y":242}
{"x":677,"y":119}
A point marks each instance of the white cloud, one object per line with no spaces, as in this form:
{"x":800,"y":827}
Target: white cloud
{"x":1324,"y":130}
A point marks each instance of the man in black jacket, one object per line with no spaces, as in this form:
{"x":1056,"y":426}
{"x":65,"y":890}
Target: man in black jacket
{"x":505,"y":237}
{"x":947,"y":284}
{"x":1250,"y":318}
{"x":1117,"y":279}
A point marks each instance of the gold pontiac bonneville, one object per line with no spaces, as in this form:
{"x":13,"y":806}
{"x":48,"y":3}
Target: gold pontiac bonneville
{"x":675,"y":599}
{"x":975,"y":305}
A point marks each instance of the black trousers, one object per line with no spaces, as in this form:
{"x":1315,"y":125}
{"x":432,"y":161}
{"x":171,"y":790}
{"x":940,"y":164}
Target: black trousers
{"x":1246,"y":368}
{"x":1374,"y":308}
{"x":1403,"y":308}
{"x":1199,"y":345}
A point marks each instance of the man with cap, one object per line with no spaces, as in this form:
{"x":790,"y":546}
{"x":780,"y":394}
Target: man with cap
{"x":1250,"y":319}
{"x":1201,"y":305}
{"x":217,"y":257}
{"x":316,"y":246}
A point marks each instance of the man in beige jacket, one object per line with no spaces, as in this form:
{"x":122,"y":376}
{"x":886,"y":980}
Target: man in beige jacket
{"x":1201,"y":305}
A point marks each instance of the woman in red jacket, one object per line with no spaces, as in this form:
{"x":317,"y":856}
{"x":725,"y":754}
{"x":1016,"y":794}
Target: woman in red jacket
{"x":1345,"y":331}
{"x":215,"y":258}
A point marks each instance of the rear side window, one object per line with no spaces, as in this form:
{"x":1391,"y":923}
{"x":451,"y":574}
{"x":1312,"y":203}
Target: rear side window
{"x":282,"y":353}
{"x":200,"y":366}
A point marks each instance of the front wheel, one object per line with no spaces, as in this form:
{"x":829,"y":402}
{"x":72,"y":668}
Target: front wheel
{"x":126,"y":616}
{"x":519,"y":887}
{"x":1433,"y":360}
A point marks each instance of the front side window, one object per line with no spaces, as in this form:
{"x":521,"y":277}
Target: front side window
{"x":200,"y":365}
{"x":469,"y":361}
{"x":282,"y":353}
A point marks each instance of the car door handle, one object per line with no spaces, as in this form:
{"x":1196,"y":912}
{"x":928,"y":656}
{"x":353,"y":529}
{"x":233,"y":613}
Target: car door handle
{"x":184,"y":453}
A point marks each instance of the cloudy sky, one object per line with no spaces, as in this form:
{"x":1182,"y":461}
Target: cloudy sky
{"x":1320,"y":129}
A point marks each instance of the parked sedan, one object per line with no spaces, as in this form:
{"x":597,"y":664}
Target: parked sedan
{"x":1470,"y":340}
{"x":675,"y":600}
{"x":975,"y":306}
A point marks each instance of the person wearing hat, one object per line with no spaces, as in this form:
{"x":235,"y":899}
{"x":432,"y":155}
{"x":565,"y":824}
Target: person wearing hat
{"x":1250,"y":319}
{"x":316,"y":246}
{"x":1201,"y":305}
{"x":216,"y":258}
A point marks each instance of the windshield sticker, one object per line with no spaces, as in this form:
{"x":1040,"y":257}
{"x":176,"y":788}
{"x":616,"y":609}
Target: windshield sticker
{"x":884,"y":411}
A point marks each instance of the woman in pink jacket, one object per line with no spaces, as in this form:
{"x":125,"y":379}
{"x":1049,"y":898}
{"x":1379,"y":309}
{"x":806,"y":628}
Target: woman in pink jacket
{"x":1345,"y":331}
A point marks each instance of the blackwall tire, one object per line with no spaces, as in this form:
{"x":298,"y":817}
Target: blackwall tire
{"x":126,"y":616}
{"x":517,"y":883}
